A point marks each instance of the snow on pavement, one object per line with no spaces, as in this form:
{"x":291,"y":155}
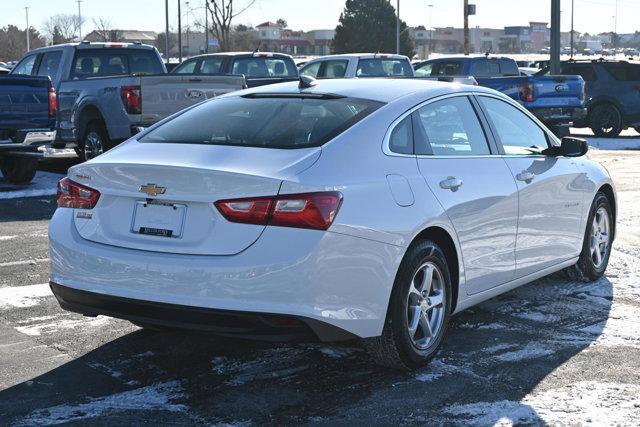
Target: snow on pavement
{"x":44,"y":184}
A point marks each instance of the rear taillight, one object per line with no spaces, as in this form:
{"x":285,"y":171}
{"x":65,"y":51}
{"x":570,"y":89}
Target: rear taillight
{"x":132,"y":99}
{"x":53,"y":102}
{"x":309,"y":210}
{"x":74,"y":195}
{"x":526,"y":92}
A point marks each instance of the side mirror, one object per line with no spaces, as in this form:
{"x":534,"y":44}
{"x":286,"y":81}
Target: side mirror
{"x":573,"y":147}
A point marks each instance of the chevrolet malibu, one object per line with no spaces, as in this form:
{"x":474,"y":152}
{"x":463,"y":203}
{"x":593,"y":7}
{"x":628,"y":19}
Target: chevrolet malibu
{"x":372,"y":209}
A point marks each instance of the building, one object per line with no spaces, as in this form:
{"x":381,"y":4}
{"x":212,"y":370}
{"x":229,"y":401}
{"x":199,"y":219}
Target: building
{"x":124,"y":36}
{"x":273,"y":38}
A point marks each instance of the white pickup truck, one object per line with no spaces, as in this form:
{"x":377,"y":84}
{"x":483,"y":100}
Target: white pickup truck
{"x":107,"y":92}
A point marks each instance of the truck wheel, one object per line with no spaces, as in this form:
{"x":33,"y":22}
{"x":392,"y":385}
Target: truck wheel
{"x":605,"y":121}
{"x":19,"y":170}
{"x":95,"y":141}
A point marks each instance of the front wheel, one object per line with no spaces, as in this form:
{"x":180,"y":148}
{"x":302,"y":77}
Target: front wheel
{"x":19,"y":170}
{"x":598,"y":237}
{"x":419,"y":310}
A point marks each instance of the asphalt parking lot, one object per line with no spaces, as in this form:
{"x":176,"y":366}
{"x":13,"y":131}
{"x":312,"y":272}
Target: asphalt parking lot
{"x":555,"y":351}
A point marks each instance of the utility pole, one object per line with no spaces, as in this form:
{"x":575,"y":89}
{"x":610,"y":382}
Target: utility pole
{"x":430,"y":29}
{"x":555,"y":36}
{"x":166,"y":30}
{"x":398,"y":28}
{"x":179,"y":33}
{"x":466,"y":27}
{"x":188,"y":45}
{"x":571,"y":29}
{"x":26,"y":11}
{"x":615,"y":27}
{"x":206,"y":27}
{"x":79,"y":20}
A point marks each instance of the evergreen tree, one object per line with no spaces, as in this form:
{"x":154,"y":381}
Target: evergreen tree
{"x":370,"y":26}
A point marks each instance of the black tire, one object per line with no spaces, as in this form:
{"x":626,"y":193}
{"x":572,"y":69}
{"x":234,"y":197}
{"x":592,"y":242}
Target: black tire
{"x":19,"y":170}
{"x":605,"y":121}
{"x":95,"y":141}
{"x":586,"y":268}
{"x":395,"y":347}
{"x":636,"y":128}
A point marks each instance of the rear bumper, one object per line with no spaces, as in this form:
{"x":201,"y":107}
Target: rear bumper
{"x":560,"y":115}
{"x":322,"y":277}
{"x":36,"y":143}
{"x":260,"y":326}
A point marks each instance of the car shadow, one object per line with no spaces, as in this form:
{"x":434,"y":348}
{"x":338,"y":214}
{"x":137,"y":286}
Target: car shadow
{"x":494,"y":356}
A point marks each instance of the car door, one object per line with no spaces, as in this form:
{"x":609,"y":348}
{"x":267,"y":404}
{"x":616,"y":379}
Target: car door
{"x":549,"y":190}
{"x":474,"y":186}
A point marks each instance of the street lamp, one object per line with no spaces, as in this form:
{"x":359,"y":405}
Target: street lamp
{"x":430,"y":7}
{"x":26,"y":12}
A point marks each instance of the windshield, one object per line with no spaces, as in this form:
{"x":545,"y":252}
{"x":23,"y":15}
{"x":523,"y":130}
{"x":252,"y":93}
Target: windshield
{"x":269,"y":121}
{"x":264,"y":67}
{"x":387,"y":67}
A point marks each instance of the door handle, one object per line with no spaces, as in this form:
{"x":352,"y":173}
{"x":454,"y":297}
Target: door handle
{"x":451,"y":183}
{"x":525,"y":176}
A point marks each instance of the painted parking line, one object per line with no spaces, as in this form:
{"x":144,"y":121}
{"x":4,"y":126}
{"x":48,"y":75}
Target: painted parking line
{"x":24,"y":262}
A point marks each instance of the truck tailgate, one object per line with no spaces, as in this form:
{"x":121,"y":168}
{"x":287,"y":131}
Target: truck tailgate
{"x":24,"y":102}
{"x":558,"y":91}
{"x":164,"y":95}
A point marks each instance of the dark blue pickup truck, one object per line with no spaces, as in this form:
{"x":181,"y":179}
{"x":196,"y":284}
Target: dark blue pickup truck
{"x":557,"y":101}
{"x":27,"y":120}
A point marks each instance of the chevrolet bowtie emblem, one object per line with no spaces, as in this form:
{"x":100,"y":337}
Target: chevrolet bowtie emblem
{"x":152,"y":189}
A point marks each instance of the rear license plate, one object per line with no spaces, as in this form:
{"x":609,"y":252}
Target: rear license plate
{"x":158,"y":219}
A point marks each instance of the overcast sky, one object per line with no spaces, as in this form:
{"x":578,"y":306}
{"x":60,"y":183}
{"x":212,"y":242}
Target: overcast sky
{"x":590,"y":15}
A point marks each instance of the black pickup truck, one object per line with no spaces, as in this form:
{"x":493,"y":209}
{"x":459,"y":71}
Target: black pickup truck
{"x":258,"y":68}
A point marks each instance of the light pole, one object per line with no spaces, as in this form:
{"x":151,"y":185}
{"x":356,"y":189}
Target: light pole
{"x":26,"y":12}
{"x":571,"y":30}
{"x":188,"y":46}
{"x":79,"y":20}
{"x":179,"y":33}
{"x":206,"y":27}
{"x":398,"y":28}
{"x":166,"y":30}
{"x":615,"y":27}
{"x":430,"y":6}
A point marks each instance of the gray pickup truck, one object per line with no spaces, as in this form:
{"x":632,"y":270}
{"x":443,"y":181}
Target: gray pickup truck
{"x":107,"y":92}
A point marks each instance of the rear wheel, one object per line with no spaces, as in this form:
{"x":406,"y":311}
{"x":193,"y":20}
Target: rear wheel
{"x":419,"y":310}
{"x":605,"y":121}
{"x":596,"y":247}
{"x":95,"y":141}
{"x":19,"y":170}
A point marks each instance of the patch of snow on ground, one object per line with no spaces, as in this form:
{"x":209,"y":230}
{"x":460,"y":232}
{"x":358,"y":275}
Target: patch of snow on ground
{"x":596,"y":403}
{"x":24,"y":296}
{"x":38,"y":329}
{"x":437,"y":369}
{"x":532,"y":350}
{"x":43,"y":184}
{"x":153,"y":397}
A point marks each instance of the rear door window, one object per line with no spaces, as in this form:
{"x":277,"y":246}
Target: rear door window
{"x":451,"y":128}
{"x":211,"y":65}
{"x":425,"y":70}
{"x":264,"y":67}
{"x":485,"y":68}
{"x":26,"y":65}
{"x":268,"y":121}
{"x":335,"y":69}
{"x":508,"y":67}
{"x":49,"y":64}
{"x":187,"y":67}
{"x":311,"y":70}
{"x":384,"y":67}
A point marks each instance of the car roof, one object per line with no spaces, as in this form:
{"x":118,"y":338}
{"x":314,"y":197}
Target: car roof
{"x":92,"y":45}
{"x":375,"y":89}
{"x":276,"y":54}
{"x":360,"y":56}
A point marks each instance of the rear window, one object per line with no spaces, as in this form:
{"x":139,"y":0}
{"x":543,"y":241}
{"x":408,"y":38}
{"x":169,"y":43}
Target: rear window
{"x":114,"y":62}
{"x":485,"y":68}
{"x":387,"y":67}
{"x":264,"y":67}
{"x":268,"y":121}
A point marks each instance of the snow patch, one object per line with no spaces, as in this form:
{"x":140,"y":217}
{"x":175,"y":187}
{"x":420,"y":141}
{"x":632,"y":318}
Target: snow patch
{"x":153,"y":397}
{"x":530,"y":351}
{"x":53,"y":327}
{"x":24,"y":296}
{"x":43,"y":184}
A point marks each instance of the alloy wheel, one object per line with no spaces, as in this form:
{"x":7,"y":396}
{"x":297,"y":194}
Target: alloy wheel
{"x":92,"y":145}
{"x":426,"y":305}
{"x":600,"y":237}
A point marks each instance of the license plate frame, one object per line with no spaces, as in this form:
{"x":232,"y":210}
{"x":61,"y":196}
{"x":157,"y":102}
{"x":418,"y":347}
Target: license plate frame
{"x":158,"y":219}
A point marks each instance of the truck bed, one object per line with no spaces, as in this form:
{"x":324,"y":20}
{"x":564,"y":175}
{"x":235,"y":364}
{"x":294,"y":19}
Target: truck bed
{"x":24,"y":104}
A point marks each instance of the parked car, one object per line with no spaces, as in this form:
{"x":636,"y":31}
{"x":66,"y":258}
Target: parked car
{"x":358,"y":65}
{"x":4,"y":70}
{"x":109,"y":91}
{"x":27,"y":117}
{"x":333,"y":209}
{"x":612,"y":90}
{"x":258,"y":68}
{"x":556,"y":100}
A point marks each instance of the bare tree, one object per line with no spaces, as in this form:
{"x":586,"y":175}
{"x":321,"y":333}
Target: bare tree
{"x":103,"y":29}
{"x":222,"y":14}
{"x":67,"y":26}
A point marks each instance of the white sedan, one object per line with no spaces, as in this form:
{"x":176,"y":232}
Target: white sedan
{"x":371,"y":209}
